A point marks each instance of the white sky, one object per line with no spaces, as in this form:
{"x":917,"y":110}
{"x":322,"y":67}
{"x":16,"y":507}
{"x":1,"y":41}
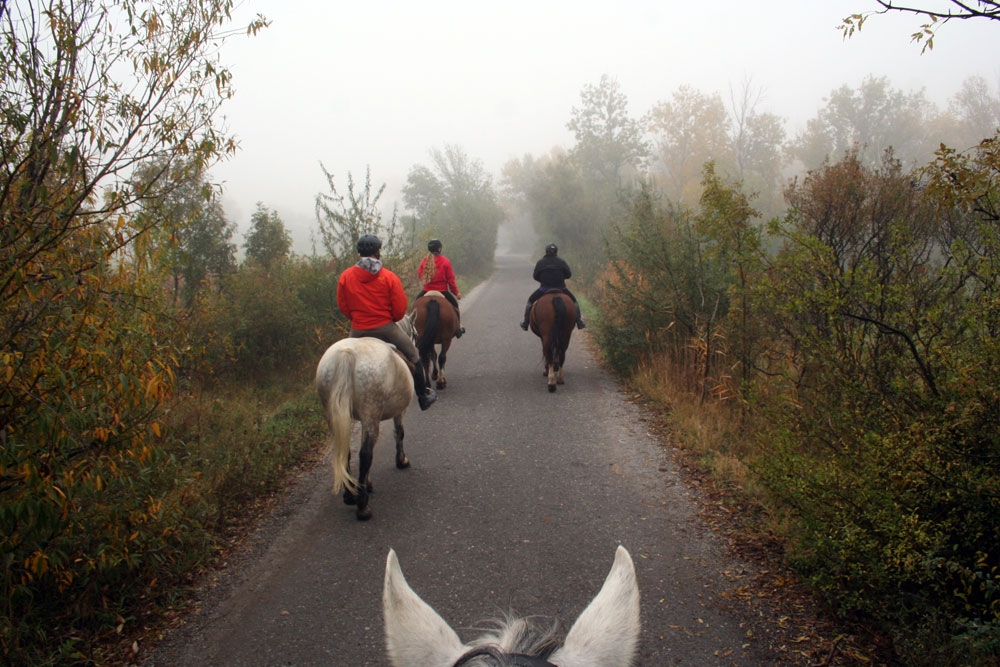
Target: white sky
{"x":381,"y":83}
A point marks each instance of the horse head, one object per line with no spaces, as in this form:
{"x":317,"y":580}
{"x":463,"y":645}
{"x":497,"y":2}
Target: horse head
{"x":604,"y":635}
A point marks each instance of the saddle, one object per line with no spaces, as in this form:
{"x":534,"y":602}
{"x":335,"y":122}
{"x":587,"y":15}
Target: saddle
{"x":439,"y":293}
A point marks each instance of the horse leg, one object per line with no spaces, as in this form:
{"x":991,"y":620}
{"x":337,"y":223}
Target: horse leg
{"x":349,"y":497}
{"x":368,"y":438}
{"x":401,"y":461}
{"x":552,"y":367}
{"x":429,"y":367}
{"x":442,"y":381}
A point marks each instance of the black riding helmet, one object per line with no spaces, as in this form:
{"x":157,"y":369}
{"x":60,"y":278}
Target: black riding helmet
{"x":368,"y":245}
{"x":434,"y":245}
{"x":551,"y":249}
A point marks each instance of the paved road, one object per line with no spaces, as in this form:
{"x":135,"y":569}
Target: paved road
{"x":516,"y":500}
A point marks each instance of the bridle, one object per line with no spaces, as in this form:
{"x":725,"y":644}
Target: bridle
{"x":506,"y":659}
{"x":518,"y":660}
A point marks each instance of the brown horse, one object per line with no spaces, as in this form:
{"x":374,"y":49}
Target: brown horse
{"x":436,"y":322}
{"x":553,"y":318}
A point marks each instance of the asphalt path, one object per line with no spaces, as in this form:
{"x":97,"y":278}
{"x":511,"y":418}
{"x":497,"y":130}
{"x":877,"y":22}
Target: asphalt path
{"x":515,"y":501}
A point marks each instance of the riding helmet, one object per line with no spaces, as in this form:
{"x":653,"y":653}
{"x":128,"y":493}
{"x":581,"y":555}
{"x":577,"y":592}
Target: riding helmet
{"x":434,"y":245}
{"x":551,"y":249}
{"x":368,"y":245}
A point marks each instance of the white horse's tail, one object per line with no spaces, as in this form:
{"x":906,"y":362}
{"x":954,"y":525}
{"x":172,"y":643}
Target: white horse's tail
{"x":340,"y":380}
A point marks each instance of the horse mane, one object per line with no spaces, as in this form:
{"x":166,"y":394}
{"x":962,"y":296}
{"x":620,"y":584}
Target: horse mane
{"x":509,"y":641}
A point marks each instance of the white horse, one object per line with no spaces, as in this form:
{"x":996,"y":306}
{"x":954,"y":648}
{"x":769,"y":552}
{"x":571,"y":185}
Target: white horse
{"x":605,"y":635}
{"x":365,"y":380}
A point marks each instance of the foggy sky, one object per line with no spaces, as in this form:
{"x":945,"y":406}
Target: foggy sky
{"x":379,"y":84}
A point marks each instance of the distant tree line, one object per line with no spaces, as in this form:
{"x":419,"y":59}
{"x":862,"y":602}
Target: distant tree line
{"x":571,"y":196}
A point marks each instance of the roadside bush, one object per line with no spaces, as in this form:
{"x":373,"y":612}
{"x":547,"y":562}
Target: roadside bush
{"x":87,"y":363}
{"x":261,"y":321}
{"x":656,"y":296}
{"x":864,"y":351}
{"x":882,"y":428}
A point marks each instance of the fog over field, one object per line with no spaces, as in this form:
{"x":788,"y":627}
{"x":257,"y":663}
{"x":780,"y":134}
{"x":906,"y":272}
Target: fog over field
{"x":380,"y":84}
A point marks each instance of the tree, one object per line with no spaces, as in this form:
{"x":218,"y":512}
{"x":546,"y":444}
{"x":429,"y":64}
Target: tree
{"x":191,"y":233}
{"x":689,"y":130}
{"x":91,"y":91}
{"x":342,"y":220}
{"x":977,"y":107}
{"x":960,"y":9}
{"x":756,"y":140}
{"x":267,"y":240}
{"x":733,"y":241}
{"x":454,"y":199}
{"x":609,"y":144}
{"x":873,"y":118}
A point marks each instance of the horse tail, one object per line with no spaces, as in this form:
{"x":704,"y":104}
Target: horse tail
{"x":556,"y":344}
{"x":432,"y":327}
{"x":339,"y":388}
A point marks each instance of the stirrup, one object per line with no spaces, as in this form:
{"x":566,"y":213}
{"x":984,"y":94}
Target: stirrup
{"x":524,"y":325}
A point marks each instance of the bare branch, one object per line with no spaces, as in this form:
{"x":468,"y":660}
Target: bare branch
{"x":960,"y":9}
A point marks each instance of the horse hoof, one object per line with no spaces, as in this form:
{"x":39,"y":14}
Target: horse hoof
{"x":403,"y":463}
{"x":441,"y":385}
{"x":350,"y":499}
{"x":365,"y":514}
{"x":552,"y":388}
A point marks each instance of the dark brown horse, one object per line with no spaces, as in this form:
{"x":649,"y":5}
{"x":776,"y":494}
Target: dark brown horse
{"x":436,"y":322}
{"x":553,"y":318}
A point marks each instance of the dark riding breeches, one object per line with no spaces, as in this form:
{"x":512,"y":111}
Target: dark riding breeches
{"x":541,"y":291}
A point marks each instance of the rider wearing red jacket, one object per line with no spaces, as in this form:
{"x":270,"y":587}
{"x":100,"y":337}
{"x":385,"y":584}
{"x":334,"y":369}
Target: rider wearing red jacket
{"x":441,"y":278}
{"x":372,"y":298}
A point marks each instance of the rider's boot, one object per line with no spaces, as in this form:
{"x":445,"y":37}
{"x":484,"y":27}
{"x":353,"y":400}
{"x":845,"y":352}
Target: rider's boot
{"x":579,"y":319}
{"x":527,"y":314}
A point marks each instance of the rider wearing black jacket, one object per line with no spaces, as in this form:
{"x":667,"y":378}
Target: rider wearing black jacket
{"x":551,"y":272}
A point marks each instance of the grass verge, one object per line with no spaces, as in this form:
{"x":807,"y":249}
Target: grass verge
{"x":231,"y":449}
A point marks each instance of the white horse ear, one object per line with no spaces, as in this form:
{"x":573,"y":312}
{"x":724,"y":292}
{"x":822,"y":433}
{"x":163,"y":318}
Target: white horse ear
{"x":415,"y":634}
{"x":607,"y":632}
